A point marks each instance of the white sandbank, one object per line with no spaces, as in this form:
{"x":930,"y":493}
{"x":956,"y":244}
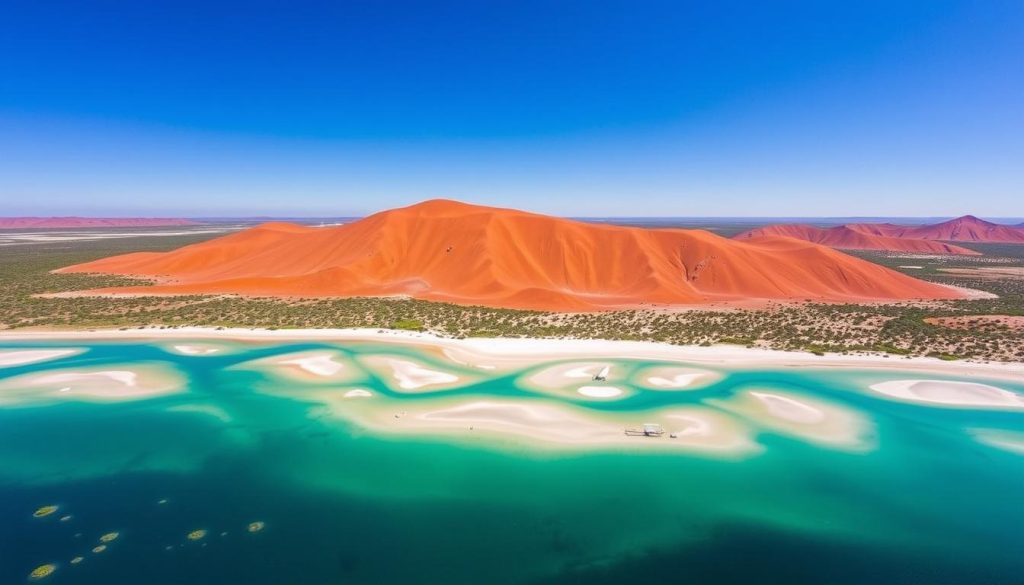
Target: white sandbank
{"x":544,"y":423}
{"x":950,"y":393}
{"x":599,"y":391}
{"x":307,"y":366}
{"x":136,"y":382}
{"x":318,"y":365}
{"x":20,"y":357}
{"x":210,"y":410}
{"x":195,"y":349}
{"x":569,"y":374}
{"x":358,"y":393}
{"x":1012,"y":441}
{"x":676,"y":378}
{"x":728,"y":356}
{"x":809,"y":419}
{"x":408,"y":375}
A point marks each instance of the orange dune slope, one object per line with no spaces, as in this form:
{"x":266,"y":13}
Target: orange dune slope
{"x":962,"y":229}
{"x":847,"y":238}
{"x":449,"y":251}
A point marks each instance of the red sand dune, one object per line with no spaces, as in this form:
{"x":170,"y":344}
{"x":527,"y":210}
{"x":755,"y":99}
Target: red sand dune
{"x":848,"y":238}
{"x":90,"y":222}
{"x":449,"y":251}
{"x":962,"y":229}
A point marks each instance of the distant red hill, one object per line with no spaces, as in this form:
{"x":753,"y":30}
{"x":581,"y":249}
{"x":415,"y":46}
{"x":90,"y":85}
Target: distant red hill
{"x":449,"y":251}
{"x":962,"y":229}
{"x":91,"y":222}
{"x":848,"y":237}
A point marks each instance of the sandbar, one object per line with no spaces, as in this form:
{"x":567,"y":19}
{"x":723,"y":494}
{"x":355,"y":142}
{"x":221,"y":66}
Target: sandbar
{"x":549,"y":424}
{"x":506,"y":348}
{"x":308,"y":366}
{"x":676,"y":378}
{"x":195,"y":349}
{"x":950,"y":393}
{"x":599,"y":391}
{"x":97,"y":384}
{"x":404,"y":374}
{"x":809,"y":419}
{"x":21,"y":357}
{"x":569,"y":374}
{"x":1012,"y":441}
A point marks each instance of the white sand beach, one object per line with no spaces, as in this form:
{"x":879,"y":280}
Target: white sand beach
{"x":490,"y":350}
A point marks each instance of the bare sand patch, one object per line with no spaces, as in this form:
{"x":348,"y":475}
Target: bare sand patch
{"x":676,"y":378}
{"x":21,"y":357}
{"x":404,"y":374}
{"x":810,"y":419}
{"x":357,"y":393}
{"x":107,"y":384}
{"x":950,"y":393}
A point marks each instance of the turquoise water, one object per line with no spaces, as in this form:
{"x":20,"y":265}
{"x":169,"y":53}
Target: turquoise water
{"x":913,"y":498}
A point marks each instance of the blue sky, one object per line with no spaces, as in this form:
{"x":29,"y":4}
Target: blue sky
{"x":574,"y":108}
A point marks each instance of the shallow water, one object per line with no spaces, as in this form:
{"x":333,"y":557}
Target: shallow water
{"x":912,"y":497}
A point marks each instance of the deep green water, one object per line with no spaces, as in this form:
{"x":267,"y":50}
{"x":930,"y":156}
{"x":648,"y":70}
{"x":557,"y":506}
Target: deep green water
{"x":925,"y":503}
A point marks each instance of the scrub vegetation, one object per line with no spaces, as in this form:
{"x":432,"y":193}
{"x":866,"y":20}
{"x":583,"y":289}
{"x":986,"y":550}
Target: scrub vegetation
{"x":901,"y":329}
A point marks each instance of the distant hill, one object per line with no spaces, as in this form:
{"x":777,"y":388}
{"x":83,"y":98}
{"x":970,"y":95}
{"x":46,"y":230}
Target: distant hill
{"x":848,"y":238}
{"x":449,"y":251}
{"x":962,"y":229}
{"x":91,"y":222}
{"x":920,"y":239}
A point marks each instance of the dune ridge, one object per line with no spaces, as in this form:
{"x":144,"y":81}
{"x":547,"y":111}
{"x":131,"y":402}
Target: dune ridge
{"x":445,"y":250}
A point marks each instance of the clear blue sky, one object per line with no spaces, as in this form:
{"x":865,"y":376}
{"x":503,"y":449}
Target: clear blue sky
{"x":670,"y":108}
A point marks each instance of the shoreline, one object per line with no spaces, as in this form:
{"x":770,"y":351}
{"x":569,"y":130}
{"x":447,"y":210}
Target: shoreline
{"x":506,"y":348}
